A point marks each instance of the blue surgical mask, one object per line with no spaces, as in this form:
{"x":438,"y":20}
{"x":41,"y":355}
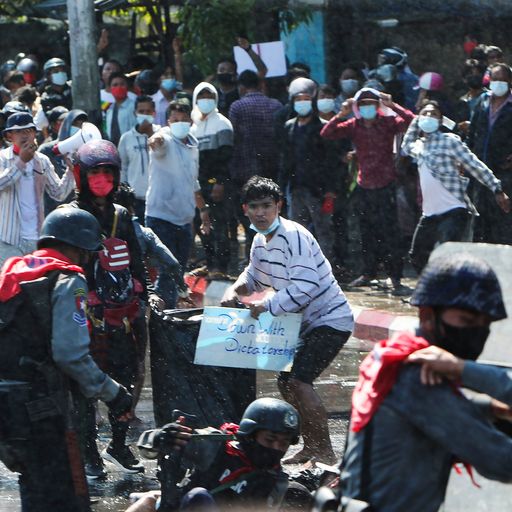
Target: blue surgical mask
{"x":73,"y":130}
{"x":428,"y":124}
{"x":349,"y":86}
{"x":169,"y":84}
{"x":368,"y":111}
{"x":325,"y":105}
{"x":303,"y":107}
{"x":498,"y":88}
{"x":145,"y":117}
{"x":206,"y":105}
{"x":59,"y":78}
{"x":269,"y":230}
{"x":180,"y":129}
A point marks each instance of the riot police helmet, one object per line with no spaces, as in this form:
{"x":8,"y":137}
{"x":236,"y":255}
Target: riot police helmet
{"x":71,"y":226}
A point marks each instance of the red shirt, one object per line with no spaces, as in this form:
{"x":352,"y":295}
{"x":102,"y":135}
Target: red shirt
{"x":373,"y":144}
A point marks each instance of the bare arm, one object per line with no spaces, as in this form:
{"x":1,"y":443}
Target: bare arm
{"x":260,"y":65}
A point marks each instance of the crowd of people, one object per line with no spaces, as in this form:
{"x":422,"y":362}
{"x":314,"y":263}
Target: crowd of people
{"x":292,"y":169}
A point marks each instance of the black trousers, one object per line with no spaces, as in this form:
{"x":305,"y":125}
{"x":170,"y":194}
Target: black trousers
{"x":381,"y":238}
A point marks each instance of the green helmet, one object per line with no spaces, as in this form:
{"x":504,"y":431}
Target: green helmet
{"x":72,"y":226}
{"x":270,"y":414}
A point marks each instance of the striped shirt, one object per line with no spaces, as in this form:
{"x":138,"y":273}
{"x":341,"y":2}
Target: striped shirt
{"x":293,"y":265}
{"x":45,"y":179}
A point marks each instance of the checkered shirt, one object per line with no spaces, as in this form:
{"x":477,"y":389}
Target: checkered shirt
{"x":447,"y":158}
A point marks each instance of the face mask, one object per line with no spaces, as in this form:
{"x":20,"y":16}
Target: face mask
{"x":349,"y":86}
{"x":73,"y":130}
{"x":474,"y":81}
{"x":29,"y":78}
{"x":260,"y":456}
{"x":325,"y":105}
{"x":206,"y":105}
{"x":180,"y":129}
{"x":59,"y":78}
{"x":498,"y":87}
{"x":225,"y":78}
{"x":303,"y":108}
{"x":120,"y":92}
{"x":428,"y":124}
{"x":145,"y":117}
{"x":100,"y":184}
{"x":169,"y":84}
{"x":368,"y":111}
{"x":269,"y":230}
{"x":464,"y":342}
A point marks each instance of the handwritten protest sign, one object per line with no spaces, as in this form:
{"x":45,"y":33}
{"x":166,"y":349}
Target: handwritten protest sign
{"x":231,"y":337}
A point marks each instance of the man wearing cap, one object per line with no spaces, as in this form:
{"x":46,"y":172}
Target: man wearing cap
{"x":404,"y":436}
{"x":376,"y":122}
{"x":24,"y":177}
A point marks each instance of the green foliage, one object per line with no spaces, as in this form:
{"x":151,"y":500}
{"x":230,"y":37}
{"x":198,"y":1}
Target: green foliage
{"x":17,"y":8}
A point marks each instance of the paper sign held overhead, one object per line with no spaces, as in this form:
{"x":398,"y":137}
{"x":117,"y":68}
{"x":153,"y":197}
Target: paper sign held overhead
{"x":231,"y":337}
{"x":272,"y":54}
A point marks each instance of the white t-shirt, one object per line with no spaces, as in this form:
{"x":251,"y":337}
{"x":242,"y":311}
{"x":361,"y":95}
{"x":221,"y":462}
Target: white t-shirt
{"x":28,"y":203}
{"x":436,"y":198}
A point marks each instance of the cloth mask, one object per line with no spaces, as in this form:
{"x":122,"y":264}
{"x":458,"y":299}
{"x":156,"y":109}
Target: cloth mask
{"x":120,"y":92}
{"x":368,"y":111}
{"x":225,"y":78}
{"x":498,"y":88}
{"x":100,"y":184}
{"x":349,"y":86}
{"x":169,"y":84}
{"x":29,"y":78}
{"x":269,"y":230}
{"x":303,"y":108}
{"x":261,"y":456}
{"x":59,"y":78}
{"x":180,"y":129}
{"x":428,"y":124}
{"x":73,"y":130}
{"x":325,"y":105}
{"x":464,"y":342}
{"x":145,"y":117}
{"x":206,"y":105}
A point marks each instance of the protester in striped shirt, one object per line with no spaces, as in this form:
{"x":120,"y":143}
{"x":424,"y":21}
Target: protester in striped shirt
{"x":286,"y":258}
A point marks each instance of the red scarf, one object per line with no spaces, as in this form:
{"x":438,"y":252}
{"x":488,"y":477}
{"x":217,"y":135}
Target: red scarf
{"x":19,"y":269}
{"x":378,"y":373}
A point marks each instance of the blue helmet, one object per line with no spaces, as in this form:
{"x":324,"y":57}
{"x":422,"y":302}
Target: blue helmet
{"x":460,"y":281}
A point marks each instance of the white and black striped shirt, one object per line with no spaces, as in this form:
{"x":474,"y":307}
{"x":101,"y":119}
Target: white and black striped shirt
{"x":293,"y":265}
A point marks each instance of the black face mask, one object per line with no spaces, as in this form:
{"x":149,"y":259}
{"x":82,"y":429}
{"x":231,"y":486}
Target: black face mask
{"x":226,"y":78}
{"x":464,"y":342}
{"x":474,"y":81}
{"x":260,"y":456}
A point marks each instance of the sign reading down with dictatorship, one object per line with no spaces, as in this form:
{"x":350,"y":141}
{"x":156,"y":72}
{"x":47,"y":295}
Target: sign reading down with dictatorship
{"x":231,"y":337}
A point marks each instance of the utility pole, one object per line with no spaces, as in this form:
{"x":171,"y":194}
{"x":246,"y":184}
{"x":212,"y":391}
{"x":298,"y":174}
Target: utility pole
{"x":84,"y":58}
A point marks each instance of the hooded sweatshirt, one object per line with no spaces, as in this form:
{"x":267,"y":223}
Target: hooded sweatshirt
{"x":214,"y":133}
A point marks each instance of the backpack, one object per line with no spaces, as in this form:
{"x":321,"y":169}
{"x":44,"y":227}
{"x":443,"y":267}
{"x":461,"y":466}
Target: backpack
{"x":115,"y":302}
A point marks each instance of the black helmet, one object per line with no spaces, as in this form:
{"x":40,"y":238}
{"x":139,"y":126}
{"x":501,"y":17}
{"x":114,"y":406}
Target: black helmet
{"x":460,"y":281}
{"x":27,"y":65}
{"x":72,"y":226}
{"x":393,"y":55}
{"x":14,"y":107}
{"x":95,"y":153}
{"x":53,"y":63}
{"x":8,"y":65}
{"x":270,"y":414}
{"x":147,"y":82}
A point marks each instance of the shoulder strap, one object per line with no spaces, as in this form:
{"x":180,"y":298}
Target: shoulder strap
{"x":116,"y":221}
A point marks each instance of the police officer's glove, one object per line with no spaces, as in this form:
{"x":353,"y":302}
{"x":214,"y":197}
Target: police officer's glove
{"x":122,"y":403}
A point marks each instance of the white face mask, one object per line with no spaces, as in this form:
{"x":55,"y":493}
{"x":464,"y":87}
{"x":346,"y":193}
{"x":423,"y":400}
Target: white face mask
{"x":303,"y":107}
{"x":325,"y":105}
{"x":180,"y":129}
{"x":59,"y":78}
{"x":206,"y":105}
{"x":145,"y":117}
{"x":498,"y":87}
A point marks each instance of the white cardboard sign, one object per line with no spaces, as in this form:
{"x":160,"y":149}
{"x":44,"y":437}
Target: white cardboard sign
{"x":231,"y":337}
{"x":272,"y":54}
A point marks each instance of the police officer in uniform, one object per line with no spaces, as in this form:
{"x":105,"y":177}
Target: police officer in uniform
{"x":44,"y":352}
{"x":244,"y":471}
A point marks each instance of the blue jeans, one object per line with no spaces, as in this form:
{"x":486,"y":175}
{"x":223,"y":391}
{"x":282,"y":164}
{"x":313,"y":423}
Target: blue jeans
{"x":178,"y":239}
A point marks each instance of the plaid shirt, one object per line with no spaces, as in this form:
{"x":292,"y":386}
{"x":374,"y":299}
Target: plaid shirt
{"x":443,"y":153}
{"x":255,"y":148}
